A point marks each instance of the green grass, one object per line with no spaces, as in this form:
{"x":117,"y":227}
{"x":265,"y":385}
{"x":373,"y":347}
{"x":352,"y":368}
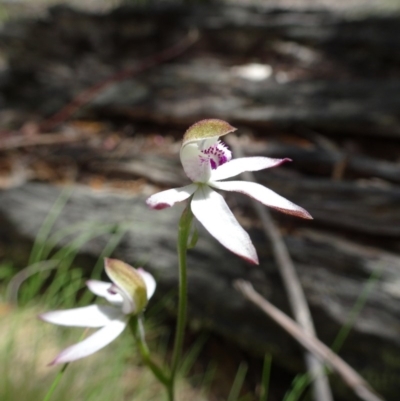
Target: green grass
{"x":302,"y":381}
{"x":27,"y":345}
{"x":53,"y":279}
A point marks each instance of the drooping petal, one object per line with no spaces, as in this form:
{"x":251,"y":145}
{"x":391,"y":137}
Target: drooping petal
{"x":211,"y":210}
{"x":88,"y":316}
{"x":238,"y":166}
{"x":168,"y":198}
{"x":263,"y":195}
{"x":104,"y":290}
{"x":93,"y":343}
{"x":149,"y":281}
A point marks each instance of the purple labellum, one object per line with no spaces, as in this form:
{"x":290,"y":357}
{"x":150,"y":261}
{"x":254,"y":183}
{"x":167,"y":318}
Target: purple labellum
{"x":216,"y":155}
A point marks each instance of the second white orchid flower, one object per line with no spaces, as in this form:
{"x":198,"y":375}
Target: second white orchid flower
{"x":207,"y":161}
{"x":128,"y":293}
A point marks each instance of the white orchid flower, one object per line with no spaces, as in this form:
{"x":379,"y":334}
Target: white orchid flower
{"x":128,"y":293}
{"x":207,"y":161}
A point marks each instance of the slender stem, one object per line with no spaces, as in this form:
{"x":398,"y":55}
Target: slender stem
{"x":60,"y":374}
{"x":136,"y":326}
{"x":55,"y":383}
{"x":170,"y":392}
{"x":183,"y":237}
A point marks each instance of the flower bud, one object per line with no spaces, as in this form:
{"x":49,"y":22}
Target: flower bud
{"x":129,"y":281}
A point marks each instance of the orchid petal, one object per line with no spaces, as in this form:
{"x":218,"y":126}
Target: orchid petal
{"x":168,"y":198}
{"x":149,"y":281}
{"x":199,"y":137}
{"x":238,"y":166}
{"x":104,"y":290}
{"x":211,"y":210}
{"x":263,"y":195}
{"x":206,"y":129}
{"x":197,"y":169}
{"x":88,"y":316}
{"x":93,"y":343}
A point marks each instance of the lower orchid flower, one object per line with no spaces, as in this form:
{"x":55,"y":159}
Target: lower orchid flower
{"x":128,"y":295}
{"x":207,"y":161}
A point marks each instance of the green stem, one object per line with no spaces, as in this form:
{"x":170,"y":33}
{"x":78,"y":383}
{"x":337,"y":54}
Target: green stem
{"x":59,"y":376}
{"x":55,"y":383}
{"x":136,"y":327}
{"x":185,"y":224}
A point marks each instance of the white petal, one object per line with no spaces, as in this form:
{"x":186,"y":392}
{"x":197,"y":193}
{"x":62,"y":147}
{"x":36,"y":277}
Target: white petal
{"x":149,"y":281}
{"x":238,"y":166}
{"x":191,"y":159}
{"x":168,"y":198}
{"x":102,"y":289}
{"x":91,"y":344}
{"x":263,"y":195}
{"x":211,"y":210}
{"x":88,"y":316}
{"x":128,"y":303}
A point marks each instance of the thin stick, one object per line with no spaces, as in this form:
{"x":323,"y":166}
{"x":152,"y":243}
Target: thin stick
{"x":23,"y":141}
{"x":297,"y":299}
{"x":311,"y":343}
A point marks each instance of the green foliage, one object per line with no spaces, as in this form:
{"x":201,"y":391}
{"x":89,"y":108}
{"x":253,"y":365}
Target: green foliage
{"x":52,"y":273}
{"x":238,"y":383}
{"x":54,"y":279}
{"x":302,"y":381}
{"x":299,"y":386}
{"x":27,"y":345}
{"x":265,"y":379}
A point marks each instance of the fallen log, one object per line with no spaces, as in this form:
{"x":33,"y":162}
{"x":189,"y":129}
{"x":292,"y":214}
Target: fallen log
{"x":321,"y":71}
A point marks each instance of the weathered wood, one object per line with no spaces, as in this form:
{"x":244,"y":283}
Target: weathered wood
{"x":320,"y":161}
{"x":325,"y":88}
{"x":362,"y":207}
{"x":362,"y":108}
{"x":333,"y":272}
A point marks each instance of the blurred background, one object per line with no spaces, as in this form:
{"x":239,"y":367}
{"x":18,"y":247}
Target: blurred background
{"x":95,"y":96}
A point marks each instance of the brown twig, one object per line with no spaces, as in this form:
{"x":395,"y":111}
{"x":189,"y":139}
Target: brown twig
{"x":22,"y":141}
{"x":311,"y":343}
{"x":297,"y":299}
{"x":87,"y":95}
